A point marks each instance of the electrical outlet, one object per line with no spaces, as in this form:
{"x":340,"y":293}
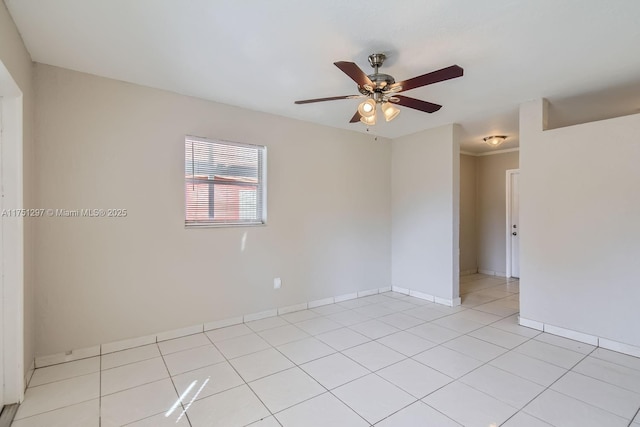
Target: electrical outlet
{"x":277,"y":283}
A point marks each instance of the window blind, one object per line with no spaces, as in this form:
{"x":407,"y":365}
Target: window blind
{"x":224,"y":183}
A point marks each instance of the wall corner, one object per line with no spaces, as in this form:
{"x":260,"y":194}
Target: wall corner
{"x":533,"y":117}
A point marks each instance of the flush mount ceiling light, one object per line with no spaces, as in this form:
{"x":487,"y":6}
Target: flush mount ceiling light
{"x":494,"y":140}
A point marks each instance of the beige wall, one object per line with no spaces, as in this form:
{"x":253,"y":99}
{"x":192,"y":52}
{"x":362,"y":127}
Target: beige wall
{"x":107,"y":144}
{"x":491,"y":210}
{"x":425,"y":212}
{"x":579,"y":211}
{"x":468,"y":242}
{"x":17,"y":60}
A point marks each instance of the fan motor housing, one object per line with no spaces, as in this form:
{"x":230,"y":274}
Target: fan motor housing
{"x":380,"y":81}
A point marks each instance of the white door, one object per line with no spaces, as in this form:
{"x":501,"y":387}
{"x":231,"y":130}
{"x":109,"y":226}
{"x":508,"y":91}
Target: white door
{"x":1,"y":270}
{"x":514,"y":223}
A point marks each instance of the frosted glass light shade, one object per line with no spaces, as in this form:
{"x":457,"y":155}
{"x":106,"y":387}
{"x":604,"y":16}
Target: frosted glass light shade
{"x":370,"y":121}
{"x":390,"y":111}
{"x":367,"y":108}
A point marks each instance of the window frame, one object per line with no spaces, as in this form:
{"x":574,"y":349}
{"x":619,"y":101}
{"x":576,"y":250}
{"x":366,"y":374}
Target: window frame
{"x":262,"y":183}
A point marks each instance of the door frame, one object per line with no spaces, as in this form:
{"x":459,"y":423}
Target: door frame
{"x":509,"y":175}
{"x":12,"y":239}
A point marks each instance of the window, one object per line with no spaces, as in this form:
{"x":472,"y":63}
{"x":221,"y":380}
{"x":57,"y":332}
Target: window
{"x":224,"y":183}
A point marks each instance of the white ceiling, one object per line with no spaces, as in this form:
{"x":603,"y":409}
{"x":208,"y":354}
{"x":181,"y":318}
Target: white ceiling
{"x":263,"y":55}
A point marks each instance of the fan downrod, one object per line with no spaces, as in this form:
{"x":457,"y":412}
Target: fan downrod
{"x":376,"y":60}
{"x":380,"y":80}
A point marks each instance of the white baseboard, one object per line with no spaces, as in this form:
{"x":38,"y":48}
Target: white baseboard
{"x":125,"y":344}
{"x":260,"y":315}
{"x":449,"y":302}
{"x":320,"y":302}
{"x":111,"y":347}
{"x":400,"y":290}
{"x":67,"y":356}
{"x":345,"y":297}
{"x":83,"y":353}
{"x":128,"y":343}
{"x":572,"y":335}
{"x":177,"y":333}
{"x":421,"y":295}
{"x":293,"y":308}
{"x":367,"y":293}
{"x":217,"y":324}
{"x":616,"y":346}
{"x":468,"y":272}
{"x":492,"y":273}
{"x":629,"y":349}
{"x":539,"y":326}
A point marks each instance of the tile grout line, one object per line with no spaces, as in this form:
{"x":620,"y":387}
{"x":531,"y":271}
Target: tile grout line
{"x":607,"y":382}
{"x":253,"y":331}
{"x":598,"y":380}
{"x":63,"y":379}
{"x":528,"y":414}
{"x":375,"y":372}
{"x":131,"y":388}
{"x":330,"y":391}
{"x":64,"y":406}
{"x":483,"y":364}
{"x":52,"y":410}
{"x":509,"y":350}
{"x":424,"y":403}
{"x":186,"y":416}
{"x":296,"y":365}
{"x":405,"y":358}
{"x":336,"y":351}
{"x":615,"y":363}
{"x":436,"y":370}
{"x":535,"y":358}
{"x":634,"y":417}
{"x":132,"y":363}
{"x":549,"y":387}
{"x":100,"y":389}
{"x":241,"y":377}
{"x":402,"y":311}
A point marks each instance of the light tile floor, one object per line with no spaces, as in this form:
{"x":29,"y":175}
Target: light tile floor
{"x":388,"y":360}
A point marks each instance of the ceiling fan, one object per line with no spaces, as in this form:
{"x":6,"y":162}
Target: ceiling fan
{"x":382,"y":89}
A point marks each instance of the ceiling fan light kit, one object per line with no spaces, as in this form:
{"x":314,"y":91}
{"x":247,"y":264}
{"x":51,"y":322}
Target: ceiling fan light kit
{"x":367,"y":108}
{"x":390,"y":111}
{"x":382,"y":89}
{"x":494,"y":140}
{"x":369,"y":121}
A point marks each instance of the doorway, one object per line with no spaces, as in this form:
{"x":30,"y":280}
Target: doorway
{"x":11,"y":241}
{"x":513,"y":223}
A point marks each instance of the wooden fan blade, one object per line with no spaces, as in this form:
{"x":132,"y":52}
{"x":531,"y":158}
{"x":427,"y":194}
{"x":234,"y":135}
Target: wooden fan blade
{"x":332,"y":98}
{"x":417,"y":104}
{"x":353,"y":71}
{"x":355,"y":118}
{"x":430,"y":78}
